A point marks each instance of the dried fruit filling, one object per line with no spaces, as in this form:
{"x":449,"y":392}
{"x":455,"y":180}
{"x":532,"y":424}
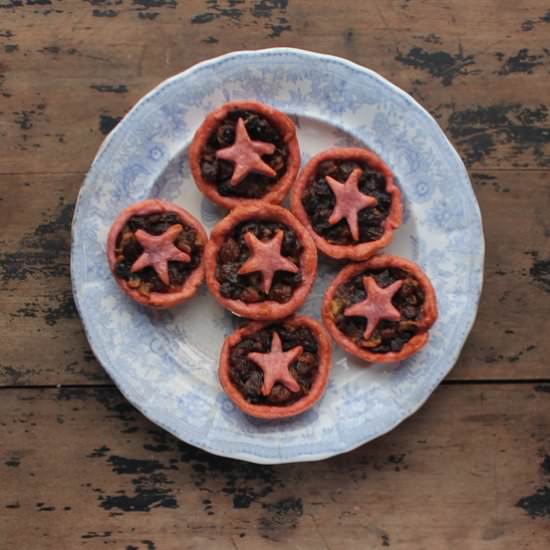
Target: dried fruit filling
{"x":234,"y":252}
{"x":319,"y":201}
{"x":248,"y":377}
{"x":389,"y":336}
{"x":219,"y":172}
{"x":128,"y":250}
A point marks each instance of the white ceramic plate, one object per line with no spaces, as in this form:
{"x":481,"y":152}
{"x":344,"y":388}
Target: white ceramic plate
{"x":165,"y":362}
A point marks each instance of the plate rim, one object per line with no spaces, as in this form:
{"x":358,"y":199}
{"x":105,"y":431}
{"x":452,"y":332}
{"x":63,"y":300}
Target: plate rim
{"x":480,"y":256}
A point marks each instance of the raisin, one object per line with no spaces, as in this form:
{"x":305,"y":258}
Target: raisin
{"x":250,"y":295}
{"x":229,"y":252}
{"x":280,"y":293}
{"x":253,"y":385}
{"x":279,"y":394}
{"x":225,"y":134}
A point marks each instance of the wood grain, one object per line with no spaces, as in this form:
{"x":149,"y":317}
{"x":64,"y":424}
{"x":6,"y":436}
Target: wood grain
{"x":82,"y":468}
{"x":79,"y":467}
{"x":63,"y":91}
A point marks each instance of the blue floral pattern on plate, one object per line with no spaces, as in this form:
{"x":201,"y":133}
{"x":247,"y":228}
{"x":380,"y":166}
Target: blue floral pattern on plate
{"x":165,"y":362}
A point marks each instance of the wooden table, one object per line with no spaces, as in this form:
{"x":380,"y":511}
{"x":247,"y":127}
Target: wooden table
{"x":80,"y":467}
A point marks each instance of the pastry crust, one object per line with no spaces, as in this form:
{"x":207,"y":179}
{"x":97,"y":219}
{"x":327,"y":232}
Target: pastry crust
{"x":429,"y":309}
{"x":271,"y":411}
{"x":268,"y":309}
{"x":359,"y":251}
{"x":159,"y":300}
{"x":282,"y":123}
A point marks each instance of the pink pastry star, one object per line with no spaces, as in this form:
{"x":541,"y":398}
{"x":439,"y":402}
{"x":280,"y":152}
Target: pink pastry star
{"x":245,"y":155}
{"x":275,"y":365}
{"x":266,"y":257}
{"x":349,"y":200}
{"x":158,"y":250}
{"x":377,"y":306}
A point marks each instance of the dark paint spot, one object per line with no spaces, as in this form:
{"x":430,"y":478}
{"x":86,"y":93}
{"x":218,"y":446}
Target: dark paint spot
{"x":130,"y":547}
{"x":11,"y":4}
{"x":241,"y":501}
{"x":157,"y":448}
{"x":529,"y":24}
{"x":13,"y":505}
{"x":442,"y":65}
{"x":10,"y":48}
{"x":38,"y":2}
{"x":150,"y":15}
{"x":42,"y":508}
{"x":522,"y":62}
{"x":50,"y":49}
{"x":12,"y":463}
{"x":150,"y":492}
{"x":99,"y":452}
{"x":537,"y":505}
{"x":148,"y":4}
{"x":104,"y":13}
{"x":115,"y":89}
{"x":480,"y":130}
{"x":250,"y":482}
{"x":123,"y":465}
{"x":540,"y":271}
{"x":65,"y":309}
{"x":510,"y":358}
{"x":24,"y":120}
{"x":43,"y":253}
{"x":107,"y":123}
{"x":385,"y":540}
{"x":203,"y":18}
{"x":271,"y":10}
{"x":397,"y":462}
{"x":150,"y":544}
{"x":544,"y":388}
{"x":431,"y":38}
{"x":277,"y":30}
{"x":264,"y":8}
{"x":210,"y":40}
{"x":545,"y":465}
{"x":486,"y":179}
{"x":94,"y":535}
{"x":280,"y":516}
{"x":104,"y":2}
{"x":6,"y":34}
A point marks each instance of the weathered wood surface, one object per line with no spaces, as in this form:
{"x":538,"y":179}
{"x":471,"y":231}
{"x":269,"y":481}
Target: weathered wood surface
{"x":70,"y":69}
{"x":82,"y":468}
{"x":64,"y":90}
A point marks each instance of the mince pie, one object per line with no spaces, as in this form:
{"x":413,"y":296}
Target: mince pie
{"x":155,"y":251}
{"x":243,"y":152}
{"x":274,"y":370}
{"x":260,"y":262}
{"x":347,"y":198}
{"x":380,"y":310}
